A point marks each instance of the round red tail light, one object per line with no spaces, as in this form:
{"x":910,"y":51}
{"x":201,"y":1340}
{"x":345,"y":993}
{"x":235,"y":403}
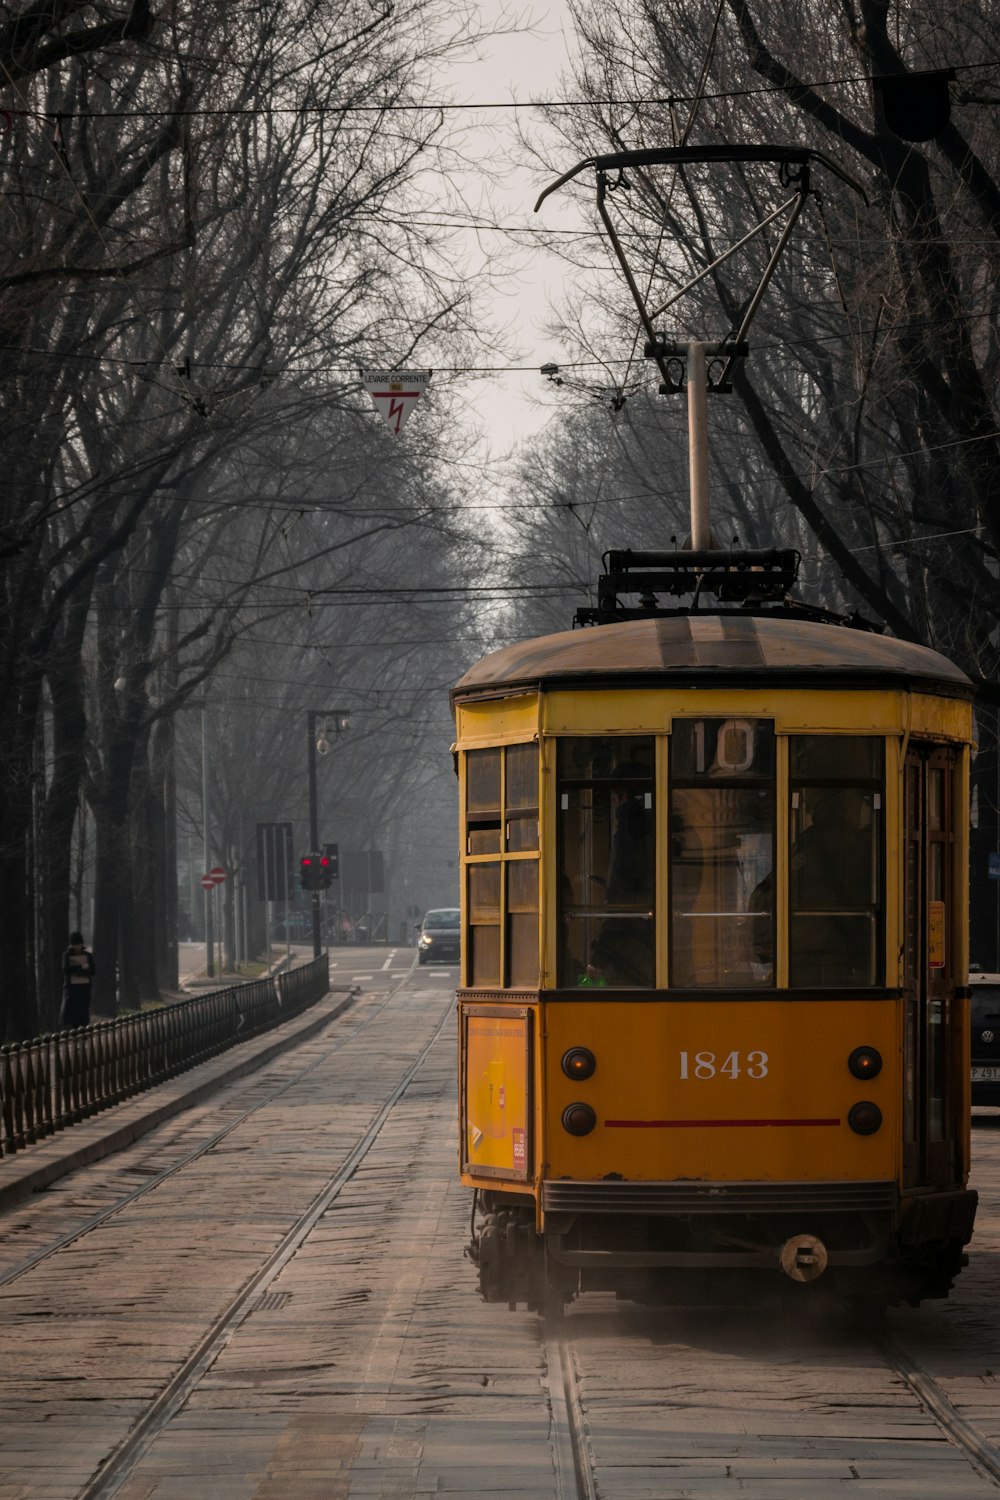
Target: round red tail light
{"x":578,"y":1119}
{"x":578,"y":1063}
{"x":864,"y":1117}
{"x":865,"y":1062}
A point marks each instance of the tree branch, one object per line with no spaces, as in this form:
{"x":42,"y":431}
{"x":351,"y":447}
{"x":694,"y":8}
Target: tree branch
{"x":24,"y":50}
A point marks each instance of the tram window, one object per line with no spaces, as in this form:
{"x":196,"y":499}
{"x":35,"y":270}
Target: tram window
{"x":522,"y":923}
{"x":521,"y":804}
{"x":606,"y":872}
{"x":835,"y":865}
{"x":935,"y":799}
{"x":484,"y":924}
{"x":722,"y":798}
{"x":482,"y":801}
{"x":501,"y":818}
{"x":836,"y":757}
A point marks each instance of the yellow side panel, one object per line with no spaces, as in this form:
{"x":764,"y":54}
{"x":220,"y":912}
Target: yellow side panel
{"x":794,"y":710}
{"x":496,"y":1062}
{"x":497,"y":721}
{"x":725,"y":1091}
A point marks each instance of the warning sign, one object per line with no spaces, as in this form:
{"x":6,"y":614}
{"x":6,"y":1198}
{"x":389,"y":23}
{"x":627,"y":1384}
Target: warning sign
{"x":395,"y":392}
{"x":935,"y":934}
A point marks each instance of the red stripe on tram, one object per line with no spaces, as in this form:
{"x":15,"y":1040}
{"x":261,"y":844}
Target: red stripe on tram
{"x":701,"y":1124}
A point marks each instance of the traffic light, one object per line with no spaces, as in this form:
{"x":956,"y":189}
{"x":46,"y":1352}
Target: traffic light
{"x":331,"y":863}
{"x":311,"y":873}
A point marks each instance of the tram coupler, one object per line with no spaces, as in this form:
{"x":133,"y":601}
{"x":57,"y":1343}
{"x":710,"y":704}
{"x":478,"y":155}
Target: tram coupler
{"x":803,"y":1257}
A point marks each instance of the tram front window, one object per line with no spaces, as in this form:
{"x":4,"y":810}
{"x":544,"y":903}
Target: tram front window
{"x":607,"y":841}
{"x":835,"y":876}
{"x":722,"y":804}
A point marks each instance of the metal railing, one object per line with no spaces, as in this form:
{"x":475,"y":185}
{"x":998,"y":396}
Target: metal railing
{"x":57,"y":1080}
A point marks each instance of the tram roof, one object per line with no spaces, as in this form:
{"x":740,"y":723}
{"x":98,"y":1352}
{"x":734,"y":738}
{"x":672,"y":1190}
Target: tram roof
{"x":714,"y":650}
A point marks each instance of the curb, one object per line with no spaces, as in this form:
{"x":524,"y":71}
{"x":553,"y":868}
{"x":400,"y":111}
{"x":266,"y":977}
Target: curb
{"x":32,"y":1171}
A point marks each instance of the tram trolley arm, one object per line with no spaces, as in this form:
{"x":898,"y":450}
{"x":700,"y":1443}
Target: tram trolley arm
{"x":664,"y":156}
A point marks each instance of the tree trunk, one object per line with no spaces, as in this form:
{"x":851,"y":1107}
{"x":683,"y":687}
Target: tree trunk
{"x":18,"y":1010}
{"x":144,"y":898}
{"x":110,"y":856}
{"x":62,"y":804}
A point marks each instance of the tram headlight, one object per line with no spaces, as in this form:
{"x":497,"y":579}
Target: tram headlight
{"x":865,"y":1062}
{"x":578,"y":1062}
{"x":578,"y":1119}
{"x":864,"y":1117}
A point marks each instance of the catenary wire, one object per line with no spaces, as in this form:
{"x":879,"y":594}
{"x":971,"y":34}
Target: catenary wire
{"x":272,"y":372}
{"x":444,"y":107}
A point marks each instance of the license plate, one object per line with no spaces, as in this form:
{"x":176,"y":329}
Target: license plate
{"x":986,"y":1075}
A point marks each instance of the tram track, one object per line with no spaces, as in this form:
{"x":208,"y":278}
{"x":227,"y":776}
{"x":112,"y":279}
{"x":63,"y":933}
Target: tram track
{"x":119,"y":1464}
{"x":982,"y":1453}
{"x":94,"y":1221}
{"x":578,"y":1440}
{"x":571,"y":1456}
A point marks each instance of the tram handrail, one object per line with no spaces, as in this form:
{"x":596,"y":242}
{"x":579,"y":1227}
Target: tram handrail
{"x":56,"y":1080}
{"x":584,"y":912}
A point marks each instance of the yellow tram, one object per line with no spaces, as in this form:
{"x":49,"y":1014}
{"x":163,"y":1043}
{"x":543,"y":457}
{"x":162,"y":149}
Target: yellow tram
{"x":713,"y":1010}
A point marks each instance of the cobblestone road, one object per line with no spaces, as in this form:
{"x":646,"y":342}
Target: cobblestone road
{"x":364,"y":1363}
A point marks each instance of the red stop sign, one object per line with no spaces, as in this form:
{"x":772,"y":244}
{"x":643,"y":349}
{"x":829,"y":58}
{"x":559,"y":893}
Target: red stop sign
{"x":207,"y":883}
{"x":217,"y":875}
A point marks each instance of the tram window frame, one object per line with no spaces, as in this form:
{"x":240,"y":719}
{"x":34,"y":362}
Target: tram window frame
{"x":501,"y":831}
{"x":691,"y":769}
{"x":835,"y":779}
{"x":597,"y":776}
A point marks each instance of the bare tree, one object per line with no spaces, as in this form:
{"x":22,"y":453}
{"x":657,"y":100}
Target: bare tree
{"x":203,"y":245}
{"x":864,"y":427}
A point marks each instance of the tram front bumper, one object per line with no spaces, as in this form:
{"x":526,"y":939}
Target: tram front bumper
{"x":639,"y":1226}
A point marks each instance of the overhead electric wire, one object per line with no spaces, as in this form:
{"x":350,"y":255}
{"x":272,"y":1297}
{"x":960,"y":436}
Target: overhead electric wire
{"x":446,"y":107}
{"x":272,"y":373}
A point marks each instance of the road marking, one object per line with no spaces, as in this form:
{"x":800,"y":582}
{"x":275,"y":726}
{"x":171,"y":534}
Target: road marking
{"x":388,"y":962}
{"x":361,"y":976}
{"x":438,"y":973}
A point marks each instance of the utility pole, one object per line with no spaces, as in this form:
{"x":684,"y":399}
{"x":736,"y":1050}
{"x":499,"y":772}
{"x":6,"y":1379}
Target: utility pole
{"x":209,"y":934}
{"x":339,"y":720}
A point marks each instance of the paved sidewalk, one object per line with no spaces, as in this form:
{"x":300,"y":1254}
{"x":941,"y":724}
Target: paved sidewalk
{"x":34,"y":1168}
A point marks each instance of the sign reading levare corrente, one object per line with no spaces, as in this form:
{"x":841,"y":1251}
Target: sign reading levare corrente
{"x":395,"y":392}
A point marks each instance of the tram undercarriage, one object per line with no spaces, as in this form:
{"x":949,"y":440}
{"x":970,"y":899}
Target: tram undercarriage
{"x":875,"y":1256}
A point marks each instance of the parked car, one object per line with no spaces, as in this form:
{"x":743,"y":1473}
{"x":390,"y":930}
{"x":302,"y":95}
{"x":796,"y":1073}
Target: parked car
{"x":440,"y":937}
{"x":985,"y":1038}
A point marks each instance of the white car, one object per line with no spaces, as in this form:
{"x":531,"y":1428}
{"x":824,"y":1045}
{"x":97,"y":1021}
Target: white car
{"x":440,"y":939}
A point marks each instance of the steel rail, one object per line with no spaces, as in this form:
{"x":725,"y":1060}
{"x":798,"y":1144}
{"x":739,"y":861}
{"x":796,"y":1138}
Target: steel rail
{"x":976,"y":1446}
{"x":117,"y":1468}
{"x":571,"y":1458}
{"x":128,"y":1199}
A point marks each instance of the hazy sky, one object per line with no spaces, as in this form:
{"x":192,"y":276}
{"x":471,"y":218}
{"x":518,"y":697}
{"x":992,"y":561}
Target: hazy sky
{"x":522,"y":67}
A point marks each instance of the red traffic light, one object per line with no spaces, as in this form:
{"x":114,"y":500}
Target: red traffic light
{"x":311,"y":871}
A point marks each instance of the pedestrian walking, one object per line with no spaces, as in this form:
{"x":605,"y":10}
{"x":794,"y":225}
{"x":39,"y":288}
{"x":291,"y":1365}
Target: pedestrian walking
{"x":78,"y":971}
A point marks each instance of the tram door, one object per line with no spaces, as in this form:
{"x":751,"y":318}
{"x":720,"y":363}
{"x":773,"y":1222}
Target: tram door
{"x":929,"y":889}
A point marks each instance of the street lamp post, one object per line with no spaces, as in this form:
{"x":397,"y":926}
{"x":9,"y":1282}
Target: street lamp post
{"x":338,"y":720}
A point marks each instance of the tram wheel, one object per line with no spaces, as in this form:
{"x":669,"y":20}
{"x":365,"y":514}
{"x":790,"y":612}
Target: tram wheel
{"x":940,"y":1269}
{"x":491,"y":1261}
